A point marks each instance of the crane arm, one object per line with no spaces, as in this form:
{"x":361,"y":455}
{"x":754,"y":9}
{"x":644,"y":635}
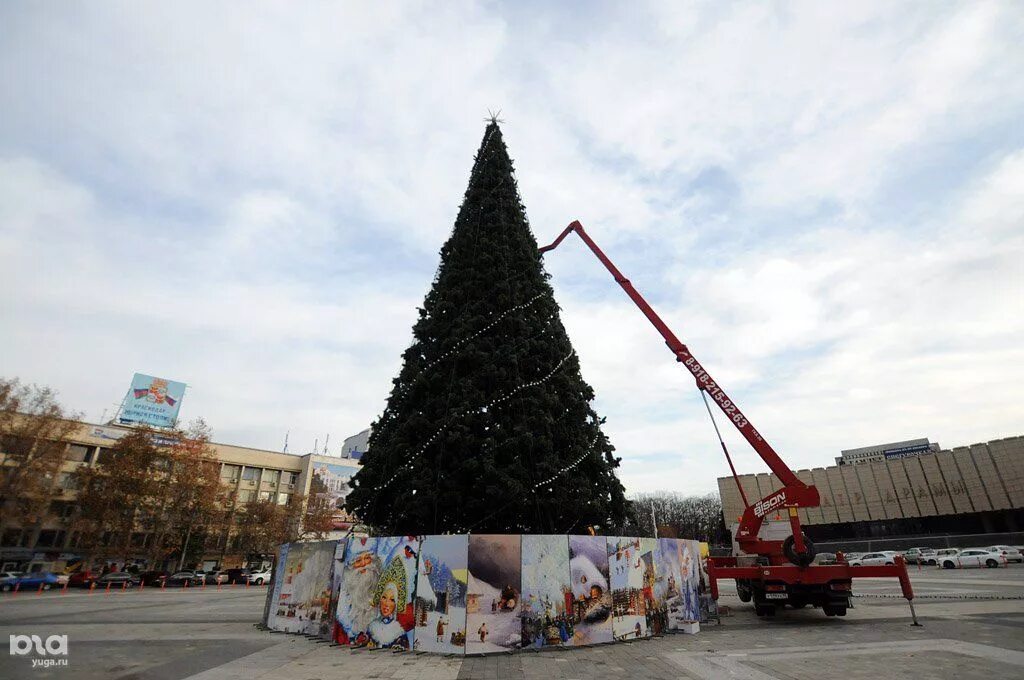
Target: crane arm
{"x":795,"y":493}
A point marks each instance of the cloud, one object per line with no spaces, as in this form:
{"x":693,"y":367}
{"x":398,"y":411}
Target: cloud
{"x":823,"y":202}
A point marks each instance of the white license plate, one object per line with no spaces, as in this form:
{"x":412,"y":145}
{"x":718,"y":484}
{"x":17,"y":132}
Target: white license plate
{"x":775,"y":596}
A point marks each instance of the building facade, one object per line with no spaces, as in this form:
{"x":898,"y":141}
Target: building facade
{"x":871,"y":454}
{"x":248,"y":474}
{"x":968,"y":489}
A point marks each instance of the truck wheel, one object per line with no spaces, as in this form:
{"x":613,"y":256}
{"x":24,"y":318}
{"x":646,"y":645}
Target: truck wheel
{"x":799,"y":559}
{"x":834,"y":609}
{"x":744,"y":592}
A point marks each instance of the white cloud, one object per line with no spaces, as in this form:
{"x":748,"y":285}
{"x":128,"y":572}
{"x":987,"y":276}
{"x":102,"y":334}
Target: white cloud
{"x":253,"y":202}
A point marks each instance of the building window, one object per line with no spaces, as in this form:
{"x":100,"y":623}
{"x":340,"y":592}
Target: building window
{"x":291,"y":478}
{"x":270,"y":477}
{"x":66,"y":480}
{"x":283,"y":498}
{"x":50,"y":538}
{"x":230,"y":472}
{"x":266,"y":495}
{"x":245,"y":495}
{"x":11,"y":538}
{"x":250,"y":474}
{"x":79,"y":453}
{"x":62,"y":509}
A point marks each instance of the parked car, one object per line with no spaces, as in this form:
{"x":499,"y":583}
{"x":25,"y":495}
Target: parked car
{"x":874,"y":558}
{"x":153,"y":578}
{"x":259,"y":577}
{"x":973,"y":557}
{"x":919,"y":555}
{"x":237,"y":575}
{"x":825,"y":558}
{"x":852,"y":556}
{"x":82,"y":579}
{"x":9,"y":574}
{"x":215,"y":577}
{"x":183,"y":579}
{"x":1008,"y":551}
{"x":117,"y":579}
{"x":945,"y":552}
{"x":43,"y":579}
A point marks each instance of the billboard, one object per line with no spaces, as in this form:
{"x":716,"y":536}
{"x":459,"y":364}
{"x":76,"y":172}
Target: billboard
{"x":331,"y":480}
{"x":152,"y":401}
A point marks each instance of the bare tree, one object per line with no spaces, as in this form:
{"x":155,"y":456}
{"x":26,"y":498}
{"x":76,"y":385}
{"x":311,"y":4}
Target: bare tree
{"x":34,"y":432}
{"x":696,"y":517}
{"x":164,"y":484}
{"x":263,"y":525}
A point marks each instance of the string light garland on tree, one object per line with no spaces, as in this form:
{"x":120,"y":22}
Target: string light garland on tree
{"x":489,"y":406}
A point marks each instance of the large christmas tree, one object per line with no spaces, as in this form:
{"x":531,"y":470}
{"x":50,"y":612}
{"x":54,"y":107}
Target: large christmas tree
{"x":489,"y":427}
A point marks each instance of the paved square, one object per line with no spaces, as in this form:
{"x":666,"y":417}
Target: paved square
{"x":973,"y":628}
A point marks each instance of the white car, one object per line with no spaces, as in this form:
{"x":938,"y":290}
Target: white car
{"x":920,"y":556}
{"x":874,"y":558}
{"x":972,"y":557}
{"x":1008,"y":551}
{"x":259,"y":577}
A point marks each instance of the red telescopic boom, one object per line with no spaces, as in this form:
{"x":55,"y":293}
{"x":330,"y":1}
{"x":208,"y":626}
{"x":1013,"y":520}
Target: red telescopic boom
{"x":794,"y":492}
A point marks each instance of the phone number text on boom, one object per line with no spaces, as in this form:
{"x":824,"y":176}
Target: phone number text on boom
{"x":716,"y":392}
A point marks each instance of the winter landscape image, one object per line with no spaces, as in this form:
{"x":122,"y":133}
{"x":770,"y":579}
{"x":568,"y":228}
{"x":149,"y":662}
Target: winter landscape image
{"x":492,"y":598}
{"x":441,"y":588}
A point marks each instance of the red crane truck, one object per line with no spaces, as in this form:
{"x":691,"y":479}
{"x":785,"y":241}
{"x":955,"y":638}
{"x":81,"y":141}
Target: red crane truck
{"x":772,"y":573}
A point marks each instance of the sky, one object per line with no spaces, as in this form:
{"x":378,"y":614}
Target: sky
{"x":825,"y":201}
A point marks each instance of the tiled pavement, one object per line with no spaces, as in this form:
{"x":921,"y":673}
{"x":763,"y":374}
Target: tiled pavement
{"x":211,"y":636}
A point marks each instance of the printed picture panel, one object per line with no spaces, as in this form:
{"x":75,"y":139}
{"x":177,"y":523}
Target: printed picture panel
{"x":329,"y":622}
{"x":305,"y":594}
{"x":492,"y":600}
{"x":591,"y":590}
{"x":699,"y":581}
{"x":656,"y":613}
{"x":679,"y":565}
{"x":360,"y":576}
{"x":629,"y":614}
{"x":547,"y":599}
{"x":441,"y":587}
{"x":270,"y":606}
{"x":394,"y":618}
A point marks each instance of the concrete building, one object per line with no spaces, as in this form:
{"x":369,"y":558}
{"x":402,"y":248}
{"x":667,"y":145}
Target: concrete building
{"x":976,"y":489}
{"x":248,"y":473}
{"x":870,"y":454}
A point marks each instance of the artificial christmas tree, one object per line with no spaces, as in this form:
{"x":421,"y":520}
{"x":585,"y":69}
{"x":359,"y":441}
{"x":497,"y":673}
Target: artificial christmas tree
{"x":489,"y":427}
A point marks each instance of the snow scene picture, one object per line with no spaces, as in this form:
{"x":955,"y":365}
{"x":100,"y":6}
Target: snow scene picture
{"x":592,"y":596}
{"x":629,"y":619}
{"x":305,"y":594}
{"x":392,"y":601}
{"x":361,"y":573}
{"x":492,"y":600}
{"x":441,"y":583}
{"x":678,"y":563}
{"x":547,"y":600}
{"x":654,"y":595}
